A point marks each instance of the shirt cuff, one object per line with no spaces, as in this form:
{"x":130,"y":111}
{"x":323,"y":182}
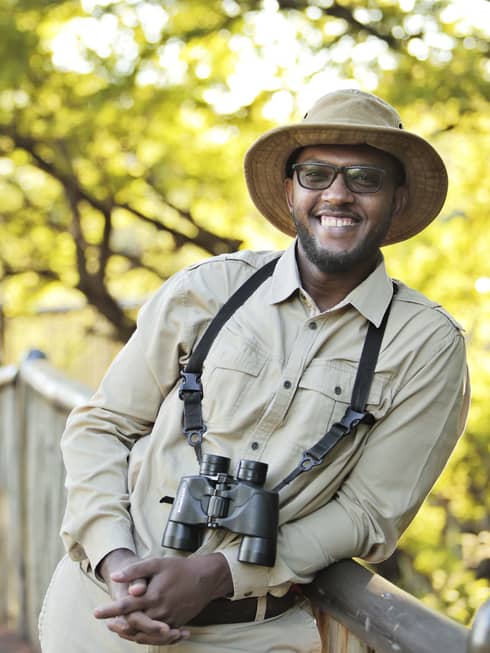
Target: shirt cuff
{"x":100,"y":538}
{"x":248,"y":580}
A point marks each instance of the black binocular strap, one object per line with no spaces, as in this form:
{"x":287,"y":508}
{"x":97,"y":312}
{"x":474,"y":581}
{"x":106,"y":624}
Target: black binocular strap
{"x":190,"y":390}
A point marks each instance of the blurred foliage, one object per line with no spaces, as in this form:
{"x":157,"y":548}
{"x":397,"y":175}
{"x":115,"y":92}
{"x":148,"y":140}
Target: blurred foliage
{"x":122,"y":131}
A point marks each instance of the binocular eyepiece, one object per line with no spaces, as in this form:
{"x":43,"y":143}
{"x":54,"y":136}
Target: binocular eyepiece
{"x":215,"y":499}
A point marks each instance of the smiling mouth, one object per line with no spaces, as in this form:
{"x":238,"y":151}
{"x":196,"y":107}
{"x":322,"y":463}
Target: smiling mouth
{"x":333,"y":221}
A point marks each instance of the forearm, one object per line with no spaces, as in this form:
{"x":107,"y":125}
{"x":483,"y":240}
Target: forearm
{"x":114,"y":561}
{"x":96,"y":519}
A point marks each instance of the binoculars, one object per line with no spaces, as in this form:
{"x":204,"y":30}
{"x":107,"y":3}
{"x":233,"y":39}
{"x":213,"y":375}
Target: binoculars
{"x":215,"y":499}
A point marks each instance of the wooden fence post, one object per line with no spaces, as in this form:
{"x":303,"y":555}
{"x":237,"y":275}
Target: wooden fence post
{"x":9,"y":493}
{"x":2,"y":335}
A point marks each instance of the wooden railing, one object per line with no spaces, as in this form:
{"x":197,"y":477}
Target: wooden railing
{"x":34,"y":402}
{"x":358,"y":611}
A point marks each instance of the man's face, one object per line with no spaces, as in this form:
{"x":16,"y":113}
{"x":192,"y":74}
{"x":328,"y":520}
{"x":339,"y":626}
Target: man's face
{"x":339,"y":229}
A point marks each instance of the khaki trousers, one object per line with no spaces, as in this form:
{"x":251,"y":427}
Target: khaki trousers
{"x":66,"y":625}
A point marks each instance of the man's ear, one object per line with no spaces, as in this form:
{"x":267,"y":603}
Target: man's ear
{"x":400,"y":199}
{"x":289,"y":191}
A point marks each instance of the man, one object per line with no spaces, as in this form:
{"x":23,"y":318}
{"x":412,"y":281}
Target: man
{"x":345,"y":181}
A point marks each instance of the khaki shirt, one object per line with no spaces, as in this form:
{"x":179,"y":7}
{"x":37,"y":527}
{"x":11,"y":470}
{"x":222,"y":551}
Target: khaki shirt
{"x":278,"y":375}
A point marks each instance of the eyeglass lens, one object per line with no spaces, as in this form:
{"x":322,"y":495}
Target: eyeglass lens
{"x":358,"y":179}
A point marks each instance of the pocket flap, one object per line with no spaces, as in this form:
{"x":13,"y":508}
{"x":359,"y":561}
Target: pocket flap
{"x":336,"y":380}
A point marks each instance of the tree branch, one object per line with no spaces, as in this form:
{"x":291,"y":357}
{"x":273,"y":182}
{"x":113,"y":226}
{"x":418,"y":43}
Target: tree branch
{"x":340,"y":11}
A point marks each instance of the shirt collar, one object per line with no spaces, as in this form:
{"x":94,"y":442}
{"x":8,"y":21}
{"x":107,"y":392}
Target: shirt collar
{"x":285,"y":279}
{"x":371,"y":297}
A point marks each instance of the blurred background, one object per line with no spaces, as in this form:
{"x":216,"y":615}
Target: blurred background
{"x":123,"y":127}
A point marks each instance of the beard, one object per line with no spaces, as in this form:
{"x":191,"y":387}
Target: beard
{"x":330,"y":262}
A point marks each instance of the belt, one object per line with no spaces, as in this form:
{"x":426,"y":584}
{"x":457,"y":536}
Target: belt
{"x":224,"y":611}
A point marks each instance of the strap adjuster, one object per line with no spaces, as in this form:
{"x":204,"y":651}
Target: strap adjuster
{"x":308,"y":461}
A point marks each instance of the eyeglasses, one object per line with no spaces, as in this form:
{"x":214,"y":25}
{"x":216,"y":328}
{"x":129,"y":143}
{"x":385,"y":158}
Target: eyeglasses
{"x":358,"y":179}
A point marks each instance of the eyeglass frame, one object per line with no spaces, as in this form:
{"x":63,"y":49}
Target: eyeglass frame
{"x":339,"y":170}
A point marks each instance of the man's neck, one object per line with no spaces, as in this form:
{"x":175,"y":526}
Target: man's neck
{"x":328,"y":289}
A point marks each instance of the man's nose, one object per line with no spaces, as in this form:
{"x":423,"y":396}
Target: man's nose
{"x":338,"y":192}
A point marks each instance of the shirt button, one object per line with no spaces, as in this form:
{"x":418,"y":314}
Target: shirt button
{"x":338,"y":390}
{"x":248,"y":594}
{"x":312,"y":325}
{"x":287,"y":384}
{"x":255,"y":445}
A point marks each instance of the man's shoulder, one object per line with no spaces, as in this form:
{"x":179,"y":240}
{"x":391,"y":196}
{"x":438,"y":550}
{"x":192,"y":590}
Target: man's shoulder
{"x":198,"y":291}
{"x":213,"y":280}
{"x":246,"y":260}
{"x":222,"y":275}
{"x":412,"y":304}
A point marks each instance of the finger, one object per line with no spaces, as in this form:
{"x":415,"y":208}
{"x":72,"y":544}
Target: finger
{"x":118,"y":591}
{"x":137,"y":587}
{"x":172,"y":637}
{"x":153,"y":632}
{"x":120,"y":626}
{"x":141,"y":622}
{"x":137,"y":570}
{"x":120,"y":607}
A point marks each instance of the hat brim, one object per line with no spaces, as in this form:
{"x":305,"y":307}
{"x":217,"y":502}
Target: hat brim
{"x":426,"y":175}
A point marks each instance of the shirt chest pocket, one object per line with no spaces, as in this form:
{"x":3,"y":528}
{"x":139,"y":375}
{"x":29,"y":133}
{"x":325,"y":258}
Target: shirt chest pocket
{"x":234,"y":395}
{"x":324,"y":394}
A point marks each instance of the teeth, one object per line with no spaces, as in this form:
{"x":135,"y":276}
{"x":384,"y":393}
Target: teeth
{"x":329,"y":221}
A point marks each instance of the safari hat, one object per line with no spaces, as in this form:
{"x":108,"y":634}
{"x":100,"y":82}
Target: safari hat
{"x":349,"y":117}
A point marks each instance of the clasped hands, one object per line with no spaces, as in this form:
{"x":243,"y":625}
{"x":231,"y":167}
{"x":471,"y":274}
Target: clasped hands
{"x":154,"y":598}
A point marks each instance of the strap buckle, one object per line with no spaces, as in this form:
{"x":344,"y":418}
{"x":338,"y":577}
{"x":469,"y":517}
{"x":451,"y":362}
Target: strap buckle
{"x":351,"y":420}
{"x":191,"y":382}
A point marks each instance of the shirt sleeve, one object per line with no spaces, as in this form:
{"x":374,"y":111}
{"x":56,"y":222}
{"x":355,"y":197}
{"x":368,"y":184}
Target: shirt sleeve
{"x":99,"y":435}
{"x":405,"y":453}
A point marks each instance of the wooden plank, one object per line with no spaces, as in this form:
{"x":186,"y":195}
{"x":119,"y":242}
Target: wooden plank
{"x":6,"y":398}
{"x":34,"y":403}
{"x":7,"y":375}
{"x":10,"y":484}
{"x":44,"y":510}
{"x":46,"y":396}
{"x":53,"y":385}
{"x":336,"y":638}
